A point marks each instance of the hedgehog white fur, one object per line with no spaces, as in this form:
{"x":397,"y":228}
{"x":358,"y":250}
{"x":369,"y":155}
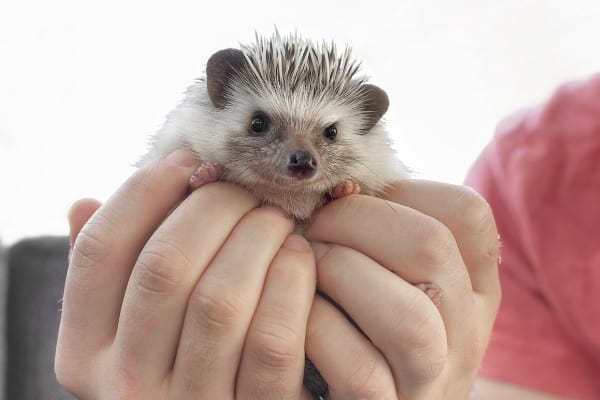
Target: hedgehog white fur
{"x":299,"y":90}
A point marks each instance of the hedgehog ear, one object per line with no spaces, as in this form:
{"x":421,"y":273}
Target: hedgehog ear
{"x":221,"y":68}
{"x":375,"y":103}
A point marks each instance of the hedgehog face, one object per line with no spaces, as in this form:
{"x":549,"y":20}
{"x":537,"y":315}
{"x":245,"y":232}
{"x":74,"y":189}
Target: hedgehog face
{"x":293,"y":111}
{"x":290,"y":141}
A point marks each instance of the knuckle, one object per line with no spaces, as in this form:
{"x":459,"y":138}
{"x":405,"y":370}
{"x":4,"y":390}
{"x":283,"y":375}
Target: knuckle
{"x":419,"y":327}
{"x":279,"y":348}
{"x":368,"y":381}
{"x":473,"y":211}
{"x":216,"y":309}
{"x":434,"y":244}
{"x":421,"y":342}
{"x":474,"y":216}
{"x":425,"y":366}
{"x":90,"y":247}
{"x":159,"y":268}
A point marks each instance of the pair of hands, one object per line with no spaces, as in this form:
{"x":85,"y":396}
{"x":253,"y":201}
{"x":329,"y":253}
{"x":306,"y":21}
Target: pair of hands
{"x":211,"y":296}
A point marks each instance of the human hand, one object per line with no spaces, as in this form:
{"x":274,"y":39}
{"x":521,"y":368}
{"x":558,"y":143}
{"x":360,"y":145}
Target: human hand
{"x":370,"y":256}
{"x":206,"y":299}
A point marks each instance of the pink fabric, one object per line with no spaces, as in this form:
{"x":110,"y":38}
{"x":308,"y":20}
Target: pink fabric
{"x":541,"y":175}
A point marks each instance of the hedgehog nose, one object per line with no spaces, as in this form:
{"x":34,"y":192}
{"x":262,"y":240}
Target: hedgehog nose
{"x":301,"y":164}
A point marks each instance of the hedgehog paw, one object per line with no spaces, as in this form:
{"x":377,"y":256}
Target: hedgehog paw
{"x":206,"y":173}
{"x":345,"y":188}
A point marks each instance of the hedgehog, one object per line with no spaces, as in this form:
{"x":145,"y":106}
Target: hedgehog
{"x":291,"y":121}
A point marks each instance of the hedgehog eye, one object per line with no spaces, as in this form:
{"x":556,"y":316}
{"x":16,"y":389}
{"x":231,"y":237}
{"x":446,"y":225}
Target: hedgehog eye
{"x":330,"y":132}
{"x":259,"y":124}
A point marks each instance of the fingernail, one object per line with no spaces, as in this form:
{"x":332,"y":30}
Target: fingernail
{"x":183,"y":158}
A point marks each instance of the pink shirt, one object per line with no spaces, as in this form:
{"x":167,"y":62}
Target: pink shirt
{"x":541,"y":175}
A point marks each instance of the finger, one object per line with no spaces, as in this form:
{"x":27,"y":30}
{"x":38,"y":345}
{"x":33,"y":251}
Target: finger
{"x":272,"y":363}
{"x":469,"y":218}
{"x":108,"y":244}
{"x":222,"y":304}
{"x":414,"y":246}
{"x":397,"y":317}
{"x":348,"y":361}
{"x":166,"y":272}
{"x":79,"y":214}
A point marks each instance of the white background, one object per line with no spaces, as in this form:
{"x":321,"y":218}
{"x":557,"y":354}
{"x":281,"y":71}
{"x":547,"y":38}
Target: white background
{"x":83,"y":84}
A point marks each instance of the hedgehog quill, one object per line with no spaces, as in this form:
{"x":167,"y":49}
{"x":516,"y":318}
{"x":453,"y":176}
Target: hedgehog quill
{"x":291,"y":121}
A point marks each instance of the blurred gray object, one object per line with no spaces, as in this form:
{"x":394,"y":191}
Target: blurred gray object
{"x":32,"y":275}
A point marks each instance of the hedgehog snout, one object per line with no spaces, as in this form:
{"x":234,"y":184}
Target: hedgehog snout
{"x":301,"y":164}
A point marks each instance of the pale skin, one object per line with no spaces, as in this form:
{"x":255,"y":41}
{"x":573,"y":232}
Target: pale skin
{"x":210,"y":296}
